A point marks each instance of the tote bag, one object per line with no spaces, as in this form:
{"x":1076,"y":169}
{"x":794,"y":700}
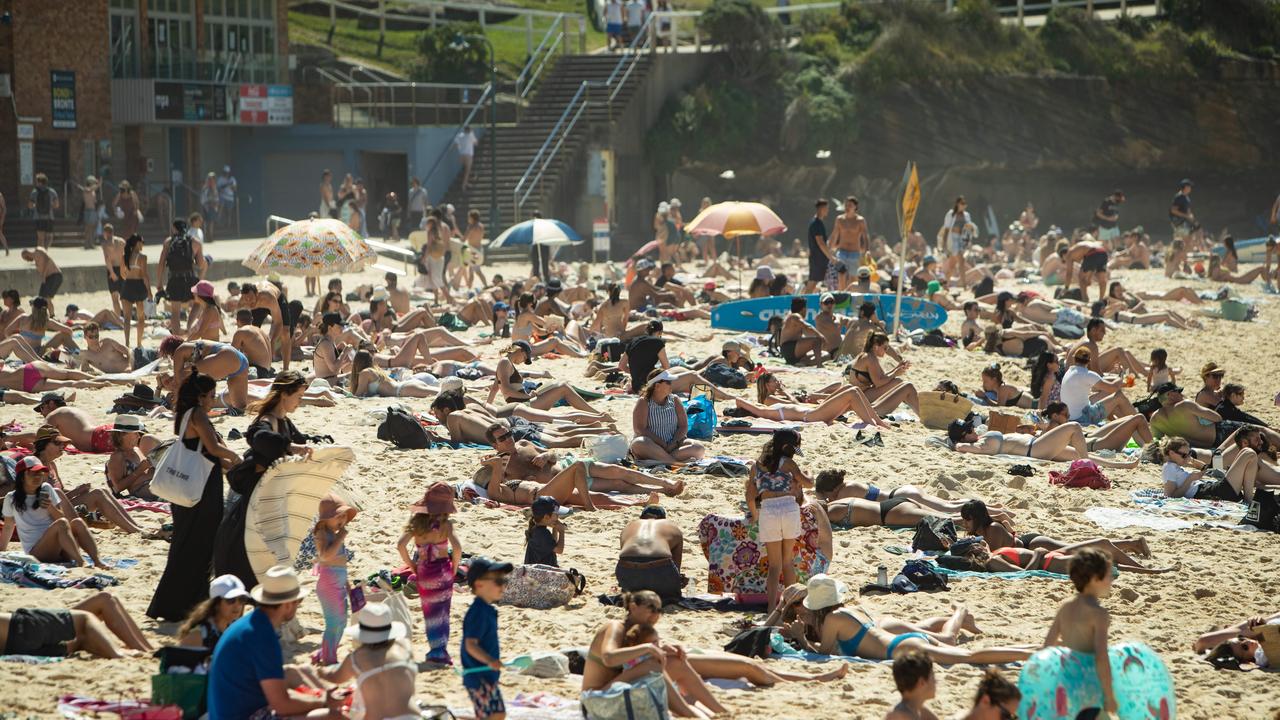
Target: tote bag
{"x":181,"y":475}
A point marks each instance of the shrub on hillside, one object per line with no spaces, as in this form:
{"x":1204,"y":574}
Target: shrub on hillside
{"x":711,"y":122}
{"x":1247,"y":26}
{"x":750,"y":36}
{"x":442,"y":58}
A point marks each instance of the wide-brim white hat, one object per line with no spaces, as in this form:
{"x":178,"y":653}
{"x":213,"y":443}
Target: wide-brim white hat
{"x":374,"y":625}
{"x":279,"y":585}
{"x":824,"y":592}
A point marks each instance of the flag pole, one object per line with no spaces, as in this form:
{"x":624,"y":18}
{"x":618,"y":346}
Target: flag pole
{"x":906,"y":217}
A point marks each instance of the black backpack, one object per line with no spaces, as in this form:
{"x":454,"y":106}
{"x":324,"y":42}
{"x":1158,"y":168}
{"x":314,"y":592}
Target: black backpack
{"x":924,"y":575}
{"x":181,"y":260}
{"x":44,"y":201}
{"x":403,"y":430}
{"x":930,"y":531}
{"x":1264,"y":511}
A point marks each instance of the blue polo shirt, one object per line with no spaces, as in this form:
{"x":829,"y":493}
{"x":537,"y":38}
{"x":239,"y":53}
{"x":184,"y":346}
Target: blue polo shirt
{"x":481,"y":623}
{"x":248,"y":653}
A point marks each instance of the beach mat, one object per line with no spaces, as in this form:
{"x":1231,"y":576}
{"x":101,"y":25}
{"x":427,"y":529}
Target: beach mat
{"x":758,"y":426}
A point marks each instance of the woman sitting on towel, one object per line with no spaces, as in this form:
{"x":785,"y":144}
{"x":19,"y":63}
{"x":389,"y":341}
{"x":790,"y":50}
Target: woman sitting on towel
{"x":825,"y":626}
{"x":1015,"y":559}
{"x":660,"y":424}
{"x":977,"y":521}
{"x":1063,"y":443}
{"x":849,"y":399}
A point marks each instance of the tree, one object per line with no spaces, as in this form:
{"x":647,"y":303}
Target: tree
{"x":750,"y":36}
{"x":441,"y":58}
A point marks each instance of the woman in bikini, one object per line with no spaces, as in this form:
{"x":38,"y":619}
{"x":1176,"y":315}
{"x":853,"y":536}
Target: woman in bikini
{"x":886,"y":390}
{"x":1015,"y":559}
{"x":511,"y":383}
{"x":219,"y":361}
{"x":1017,"y":343}
{"x":128,"y":470}
{"x":381,"y":668}
{"x":1063,"y":443}
{"x":1112,"y":435}
{"x":581,"y":483}
{"x":977,"y":521}
{"x":831,"y":486}
{"x":34,"y":326}
{"x":135,"y":288}
{"x":1045,"y":385}
{"x":205,"y":322}
{"x":41,"y":376}
{"x":1218,"y":273}
{"x":998,"y":393}
{"x":368,"y":380}
{"x":826,"y":626}
{"x":824,"y":405}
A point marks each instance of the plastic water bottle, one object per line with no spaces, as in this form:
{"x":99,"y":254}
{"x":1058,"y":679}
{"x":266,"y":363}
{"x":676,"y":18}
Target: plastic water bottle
{"x":882,"y":575}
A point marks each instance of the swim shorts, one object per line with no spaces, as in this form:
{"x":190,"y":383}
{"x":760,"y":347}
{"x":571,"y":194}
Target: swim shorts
{"x":656,"y":574}
{"x":486,"y":699}
{"x":43,"y":633}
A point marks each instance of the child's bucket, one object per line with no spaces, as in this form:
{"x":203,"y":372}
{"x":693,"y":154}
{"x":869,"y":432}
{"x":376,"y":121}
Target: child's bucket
{"x":1235,"y":310}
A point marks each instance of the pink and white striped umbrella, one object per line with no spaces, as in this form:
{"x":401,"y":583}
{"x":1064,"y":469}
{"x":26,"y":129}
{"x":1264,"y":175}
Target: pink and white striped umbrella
{"x":733,"y":219}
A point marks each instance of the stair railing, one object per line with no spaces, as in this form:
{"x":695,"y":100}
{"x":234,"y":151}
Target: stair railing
{"x":631,"y":56}
{"x":539,"y":59}
{"x":537,"y":168}
{"x":481,"y":103}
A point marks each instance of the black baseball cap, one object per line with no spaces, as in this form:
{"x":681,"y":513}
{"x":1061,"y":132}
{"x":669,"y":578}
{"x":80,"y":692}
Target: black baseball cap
{"x":653,"y":512}
{"x":544,"y":505}
{"x":481,"y":566}
{"x":1167,"y":387}
{"x":53,"y":397}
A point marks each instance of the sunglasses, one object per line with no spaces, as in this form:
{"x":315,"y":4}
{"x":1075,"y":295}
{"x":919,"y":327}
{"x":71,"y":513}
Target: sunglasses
{"x":499,"y":580}
{"x":1182,"y":453}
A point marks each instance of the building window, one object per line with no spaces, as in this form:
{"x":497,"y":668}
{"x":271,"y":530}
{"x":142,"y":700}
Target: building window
{"x":240,"y":40}
{"x":124,"y":39}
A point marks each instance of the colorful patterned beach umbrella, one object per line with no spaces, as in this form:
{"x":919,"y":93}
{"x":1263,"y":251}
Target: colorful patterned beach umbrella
{"x":310,"y":248}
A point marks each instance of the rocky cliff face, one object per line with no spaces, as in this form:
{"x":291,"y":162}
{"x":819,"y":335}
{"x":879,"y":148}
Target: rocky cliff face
{"x":1059,"y":142}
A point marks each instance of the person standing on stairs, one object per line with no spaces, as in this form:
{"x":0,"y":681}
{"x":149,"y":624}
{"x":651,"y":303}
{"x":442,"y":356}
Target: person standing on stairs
{"x":466,"y":144}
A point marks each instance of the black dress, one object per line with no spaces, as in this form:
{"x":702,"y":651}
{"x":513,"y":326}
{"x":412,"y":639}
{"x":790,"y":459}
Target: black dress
{"x":265,"y":447}
{"x":185,"y":582}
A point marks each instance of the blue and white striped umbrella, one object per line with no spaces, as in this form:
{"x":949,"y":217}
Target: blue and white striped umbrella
{"x":539,"y":231}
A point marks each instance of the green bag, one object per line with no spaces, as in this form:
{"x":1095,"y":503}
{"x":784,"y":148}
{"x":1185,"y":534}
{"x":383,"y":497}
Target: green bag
{"x":187,"y":691}
{"x":449,"y":321}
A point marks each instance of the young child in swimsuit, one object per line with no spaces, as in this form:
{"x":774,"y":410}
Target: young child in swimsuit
{"x":332,"y":556}
{"x":435,"y":559}
{"x":1082,"y":622}
{"x":1160,"y":371}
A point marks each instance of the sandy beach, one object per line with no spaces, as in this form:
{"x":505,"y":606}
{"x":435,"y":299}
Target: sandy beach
{"x":1224,"y":575}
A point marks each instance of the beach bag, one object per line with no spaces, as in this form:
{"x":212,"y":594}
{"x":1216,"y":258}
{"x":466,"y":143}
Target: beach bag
{"x":181,"y":474}
{"x":1264,"y":511}
{"x":403,"y":430}
{"x":722,"y":375}
{"x":924,"y":575}
{"x":702,"y":416}
{"x":643,"y":699}
{"x":542,"y":587}
{"x":610,"y":350}
{"x":930,"y":532}
{"x":938,"y":409}
{"x":185,"y":690}
{"x":1082,"y":473}
{"x":1148,"y":406}
{"x":609,"y":448}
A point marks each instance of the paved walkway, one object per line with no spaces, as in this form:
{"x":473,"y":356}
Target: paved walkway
{"x":70,"y":257}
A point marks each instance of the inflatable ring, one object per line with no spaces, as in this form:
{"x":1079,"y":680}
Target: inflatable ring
{"x":1059,"y":683}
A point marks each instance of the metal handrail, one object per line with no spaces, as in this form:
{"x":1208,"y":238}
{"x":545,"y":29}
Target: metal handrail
{"x":563,"y":131}
{"x":377,"y":79}
{"x":628,"y":54}
{"x":538,"y":57}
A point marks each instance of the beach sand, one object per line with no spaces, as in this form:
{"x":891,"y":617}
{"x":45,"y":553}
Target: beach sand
{"x":1224,"y":575}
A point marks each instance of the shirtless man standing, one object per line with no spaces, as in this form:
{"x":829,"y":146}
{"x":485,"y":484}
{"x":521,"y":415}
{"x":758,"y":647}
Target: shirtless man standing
{"x":113,"y":257}
{"x":77,"y":425}
{"x":848,"y":238}
{"x":254,"y":342}
{"x":102,"y":353}
{"x":1093,"y":258}
{"x":650,"y":553}
{"x":48,"y":270}
{"x":264,"y":302}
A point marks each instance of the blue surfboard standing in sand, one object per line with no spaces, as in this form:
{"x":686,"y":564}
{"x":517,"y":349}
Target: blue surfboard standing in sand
{"x":753,"y":315}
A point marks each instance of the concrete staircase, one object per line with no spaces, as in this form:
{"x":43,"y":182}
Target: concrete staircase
{"x":518,"y":144}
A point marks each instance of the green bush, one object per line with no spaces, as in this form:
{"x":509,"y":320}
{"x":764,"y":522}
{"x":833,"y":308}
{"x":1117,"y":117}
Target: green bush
{"x":711,"y":122}
{"x":822,"y":46}
{"x":750,"y":36}
{"x":441,"y":59}
{"x":1246,"y":26}
{"x":1082,"y":45}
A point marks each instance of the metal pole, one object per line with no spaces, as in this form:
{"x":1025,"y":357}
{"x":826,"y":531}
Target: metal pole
{"x":333,"y":21}
{"x":493,"y":140}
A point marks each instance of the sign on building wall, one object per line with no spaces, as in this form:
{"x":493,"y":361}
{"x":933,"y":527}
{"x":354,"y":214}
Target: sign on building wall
{"x":26,"y":163}
{"x":62,"y":91}
{"x":191,"y":102}
{"x":266,"y":104}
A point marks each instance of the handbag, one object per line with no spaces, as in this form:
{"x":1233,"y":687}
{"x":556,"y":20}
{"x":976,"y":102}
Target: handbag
{"x":181,"y":474}
{"x":642,"y":699}
{"x":701,"y":413}
{"x":609,"y":448}
{"x":542,"y":587}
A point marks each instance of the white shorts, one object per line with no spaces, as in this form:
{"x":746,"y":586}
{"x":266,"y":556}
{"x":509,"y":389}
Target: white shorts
{"x":779,"y":519}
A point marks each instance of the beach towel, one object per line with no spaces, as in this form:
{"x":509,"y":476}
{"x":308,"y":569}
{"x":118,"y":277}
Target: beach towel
{"x":1110,"y":518}
{"x":1020,"y":575}
{"x":755,"y":426}
{"x":24,"y":571}
{"x":784,"y":651}
{"x":133,"y":505}
{"x":1156,"y":501}
{"x":736,"y":563}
